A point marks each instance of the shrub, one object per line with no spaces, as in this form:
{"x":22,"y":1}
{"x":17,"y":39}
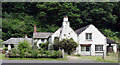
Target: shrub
{"x":67,"y":44}
{"x":14,"y":52}
{"x":43,"y":46}
{"x":34,"y":53}
{"x":57,"y":54}
{"x":41,"y":51}
{"x":23,"y":47}
{"x":5,"y":48}
{"x":47,"y":53}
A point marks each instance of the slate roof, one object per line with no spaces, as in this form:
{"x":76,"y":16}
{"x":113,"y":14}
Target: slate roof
{"x":42,"y":34}
{"x":16,"y":40}
{"x":80,"y":30}
{"x":110,"y":41}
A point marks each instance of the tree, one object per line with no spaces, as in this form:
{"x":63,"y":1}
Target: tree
{"x":48,"y":16}
{"x":69,"y":45}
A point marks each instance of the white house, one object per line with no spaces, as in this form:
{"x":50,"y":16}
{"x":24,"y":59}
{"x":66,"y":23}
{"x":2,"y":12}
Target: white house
{"x":90,"y":40}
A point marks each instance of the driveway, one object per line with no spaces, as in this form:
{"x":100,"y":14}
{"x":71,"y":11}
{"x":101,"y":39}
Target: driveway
{"x":72,"y":59}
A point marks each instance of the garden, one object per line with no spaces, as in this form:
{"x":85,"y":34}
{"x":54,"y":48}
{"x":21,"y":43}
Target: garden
{"x":25,"y":50}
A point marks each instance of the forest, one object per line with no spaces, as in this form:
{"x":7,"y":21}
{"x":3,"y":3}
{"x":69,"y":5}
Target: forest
{"x":19,"y":18}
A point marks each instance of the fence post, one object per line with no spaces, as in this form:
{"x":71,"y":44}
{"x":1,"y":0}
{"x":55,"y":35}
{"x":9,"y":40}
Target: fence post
{"x":103,"y":55}
{"x":63,"y":53}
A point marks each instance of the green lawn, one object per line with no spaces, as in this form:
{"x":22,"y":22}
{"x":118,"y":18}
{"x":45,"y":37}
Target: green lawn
{"x":2,"y":56}
{"x":113,"y":58}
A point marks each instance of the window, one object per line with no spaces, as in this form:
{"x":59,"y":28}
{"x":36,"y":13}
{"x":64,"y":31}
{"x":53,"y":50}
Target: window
{"x":42,"y":40}
{"x":98,"y":47}
{"x":88,"y":36}
{"x":12,"y":46}
{"x":6,"y":45}
{"x":64,"y":34}
{"x":85,"y":48}
{"x":69,"y":33}
{"x":56,"y":38}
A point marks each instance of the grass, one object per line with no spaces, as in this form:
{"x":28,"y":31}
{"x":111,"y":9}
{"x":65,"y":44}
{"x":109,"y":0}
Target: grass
{"x":113,"y":58}
{"x":2,"y":56}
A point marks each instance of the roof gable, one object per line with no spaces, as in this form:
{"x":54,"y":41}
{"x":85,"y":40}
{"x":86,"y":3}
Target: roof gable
{"x":80,"y":30}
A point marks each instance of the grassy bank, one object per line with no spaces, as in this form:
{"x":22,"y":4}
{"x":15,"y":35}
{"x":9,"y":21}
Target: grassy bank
{"x":2,"y":56}
{"x":113,"y":58}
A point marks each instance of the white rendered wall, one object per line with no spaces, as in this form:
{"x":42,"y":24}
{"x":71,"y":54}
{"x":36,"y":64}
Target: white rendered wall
{"x":97,"y":38}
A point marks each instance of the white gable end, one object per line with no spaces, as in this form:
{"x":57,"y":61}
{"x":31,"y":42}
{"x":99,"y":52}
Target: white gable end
{"x":97,"y":36}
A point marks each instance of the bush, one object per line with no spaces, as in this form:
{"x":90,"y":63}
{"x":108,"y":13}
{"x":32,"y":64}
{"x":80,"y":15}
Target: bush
{"x":41,"y":51}
{"x":14,"y":52}
{"x":43,"y":46}
{"x":5,"y":49}
{"x":67,"y":44}
{"x":34,"y":53}
{"x":57,"y":54}
{"x":47,"y":53}
{"x":23,"y":47}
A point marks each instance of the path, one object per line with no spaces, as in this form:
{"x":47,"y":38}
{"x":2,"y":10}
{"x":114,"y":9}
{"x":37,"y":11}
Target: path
{"x":74,"y":58}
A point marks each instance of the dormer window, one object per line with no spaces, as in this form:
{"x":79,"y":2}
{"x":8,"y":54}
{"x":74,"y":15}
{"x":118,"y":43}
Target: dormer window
{"x":88,"y":36}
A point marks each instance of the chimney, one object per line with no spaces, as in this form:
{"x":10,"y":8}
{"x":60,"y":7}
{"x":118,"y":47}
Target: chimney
{"x":65,"y":19}
{"x":26,"y":36}
{"x":35,"y":29}
{"x":65,"y":23}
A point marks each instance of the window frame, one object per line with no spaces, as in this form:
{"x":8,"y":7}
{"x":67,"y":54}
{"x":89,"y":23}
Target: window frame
{"x":88,"y":36}
{"x":85,"y":48}
{"x":98,"y":47}
{"x":42,"y":40}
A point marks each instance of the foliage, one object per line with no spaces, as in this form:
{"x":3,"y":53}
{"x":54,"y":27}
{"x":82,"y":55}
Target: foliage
{"x":48,"y":16}
{"x":56,"y":53}
{"x":67,"y":44}
{"x":41,"y":51}
{"x":1,"y":42}
{"x":5,"y":48}
{"x":14,"y":52}
{"x":23,"y":47}
{"x":112,"y":35}
{"x":44,"y":46}
{"x":34,"y":53}
{"x":35,"y":47}
{"x":48,"y":53}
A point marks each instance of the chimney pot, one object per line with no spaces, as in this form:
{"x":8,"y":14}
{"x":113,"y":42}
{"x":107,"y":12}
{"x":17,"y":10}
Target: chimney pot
{"x":65,"y":18}
{"x":35,"y":29}
{"x":26,"y":36}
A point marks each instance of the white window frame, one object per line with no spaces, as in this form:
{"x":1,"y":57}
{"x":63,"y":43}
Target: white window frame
{"x":84,"y":48}
{"x":98,"y":47}
{"x":88,"y":36}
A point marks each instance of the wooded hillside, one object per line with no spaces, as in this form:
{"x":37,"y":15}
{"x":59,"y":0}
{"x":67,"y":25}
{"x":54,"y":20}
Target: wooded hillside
{"x":19,"y":19}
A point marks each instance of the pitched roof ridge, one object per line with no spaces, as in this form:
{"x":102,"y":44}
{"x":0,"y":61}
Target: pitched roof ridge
{"x":78,"y":31}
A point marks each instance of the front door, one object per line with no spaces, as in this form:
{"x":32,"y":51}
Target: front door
{"x":85,"y":50}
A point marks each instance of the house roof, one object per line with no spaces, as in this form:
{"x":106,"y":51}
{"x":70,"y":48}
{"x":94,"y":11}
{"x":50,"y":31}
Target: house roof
{"x":110,"y":41}
{"x":42,"y":34}
{"x":80,"y":30}
{"x":16,"y":40}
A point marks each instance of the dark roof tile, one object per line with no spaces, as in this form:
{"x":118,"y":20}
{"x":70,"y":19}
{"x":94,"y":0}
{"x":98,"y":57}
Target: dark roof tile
{"x":80,"y":30}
